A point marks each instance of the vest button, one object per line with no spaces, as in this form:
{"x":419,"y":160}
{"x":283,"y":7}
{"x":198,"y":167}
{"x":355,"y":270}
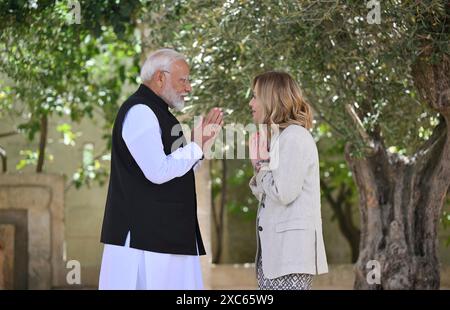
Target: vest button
{"x":260,"y":228}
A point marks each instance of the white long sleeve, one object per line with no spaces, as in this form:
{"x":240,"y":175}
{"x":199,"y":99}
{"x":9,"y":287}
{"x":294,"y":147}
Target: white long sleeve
{"x":142,"y":135}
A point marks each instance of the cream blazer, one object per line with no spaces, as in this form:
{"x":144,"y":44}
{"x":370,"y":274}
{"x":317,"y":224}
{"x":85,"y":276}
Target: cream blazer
{"x":290,"y":222}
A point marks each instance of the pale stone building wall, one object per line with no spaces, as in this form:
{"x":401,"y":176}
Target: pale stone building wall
{"x":34,"y":205}
{"x":83,"y":208}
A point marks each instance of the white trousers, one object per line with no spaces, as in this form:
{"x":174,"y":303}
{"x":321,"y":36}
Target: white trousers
{"x":125,"y":268}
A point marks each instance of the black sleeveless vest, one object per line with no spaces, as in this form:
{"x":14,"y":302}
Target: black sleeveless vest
{"x":161,"y":217}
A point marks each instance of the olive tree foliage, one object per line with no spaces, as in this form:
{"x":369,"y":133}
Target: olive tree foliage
{"x":52,"y":65}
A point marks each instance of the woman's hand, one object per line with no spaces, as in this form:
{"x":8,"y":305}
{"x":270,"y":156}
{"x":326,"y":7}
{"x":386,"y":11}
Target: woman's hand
{"x":258,"y":149}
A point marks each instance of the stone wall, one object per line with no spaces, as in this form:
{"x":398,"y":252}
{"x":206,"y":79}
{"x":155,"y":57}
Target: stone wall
{"x":7,"y":256}
{"x":84,"y":207}
{"x":34,"y":205}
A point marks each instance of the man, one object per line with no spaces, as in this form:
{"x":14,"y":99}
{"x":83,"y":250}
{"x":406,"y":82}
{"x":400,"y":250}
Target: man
{"x":150,"y":228}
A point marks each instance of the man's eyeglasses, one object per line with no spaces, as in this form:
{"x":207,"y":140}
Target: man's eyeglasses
{"x":184,"y":81}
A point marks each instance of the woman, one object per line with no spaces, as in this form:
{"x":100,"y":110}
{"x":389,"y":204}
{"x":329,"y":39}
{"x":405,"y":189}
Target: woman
{"x":287,"y":184}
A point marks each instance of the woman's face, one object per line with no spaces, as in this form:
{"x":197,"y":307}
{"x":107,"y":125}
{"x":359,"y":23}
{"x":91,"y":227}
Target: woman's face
{"x":256,"y":108}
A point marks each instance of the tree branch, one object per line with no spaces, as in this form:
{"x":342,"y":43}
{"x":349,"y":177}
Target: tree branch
{"x":433,"y":82}
{"x":438,"y":133}
{"x":359,"y":126}
{"x":9,"y":133}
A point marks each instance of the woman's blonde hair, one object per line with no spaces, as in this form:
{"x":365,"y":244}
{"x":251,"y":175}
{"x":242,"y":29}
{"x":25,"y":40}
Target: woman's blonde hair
{"x":282,"y":100}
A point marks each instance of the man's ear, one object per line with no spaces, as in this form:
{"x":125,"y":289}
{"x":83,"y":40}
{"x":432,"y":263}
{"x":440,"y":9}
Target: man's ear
{"x":160,"y":77}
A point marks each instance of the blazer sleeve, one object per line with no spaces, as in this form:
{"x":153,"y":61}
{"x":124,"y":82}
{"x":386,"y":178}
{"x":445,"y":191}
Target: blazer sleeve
{"x":283,"y":177}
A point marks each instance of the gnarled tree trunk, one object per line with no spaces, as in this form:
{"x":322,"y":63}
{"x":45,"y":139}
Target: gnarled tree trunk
{"x":401,"y":198}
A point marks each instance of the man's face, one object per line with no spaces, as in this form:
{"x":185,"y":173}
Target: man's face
{"x":177,"y":84}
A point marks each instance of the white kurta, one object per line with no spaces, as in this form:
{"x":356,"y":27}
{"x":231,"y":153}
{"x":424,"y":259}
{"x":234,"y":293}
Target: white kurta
{"x":127,"y":268}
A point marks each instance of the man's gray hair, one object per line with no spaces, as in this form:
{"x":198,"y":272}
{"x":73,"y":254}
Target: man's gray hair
{"x":159,"y":60}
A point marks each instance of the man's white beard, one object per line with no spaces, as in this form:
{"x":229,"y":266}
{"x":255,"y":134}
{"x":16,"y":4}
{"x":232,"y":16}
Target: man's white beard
{"x":172,"y":98}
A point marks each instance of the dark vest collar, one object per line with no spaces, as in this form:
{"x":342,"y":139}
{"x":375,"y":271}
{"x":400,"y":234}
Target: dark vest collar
{"x":146,"y":92}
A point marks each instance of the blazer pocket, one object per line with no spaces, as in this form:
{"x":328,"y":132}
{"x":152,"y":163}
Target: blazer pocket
{"x":295,"y":224}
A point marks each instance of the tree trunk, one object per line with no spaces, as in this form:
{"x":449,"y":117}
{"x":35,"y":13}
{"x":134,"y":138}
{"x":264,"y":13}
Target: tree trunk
{"x":342,"y":208}
{"x":218,"y":219}
{"x":401,"y":197}
{"x":400,"y":205}
{"x":42,"y":143}
{"x":4,"y":159}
